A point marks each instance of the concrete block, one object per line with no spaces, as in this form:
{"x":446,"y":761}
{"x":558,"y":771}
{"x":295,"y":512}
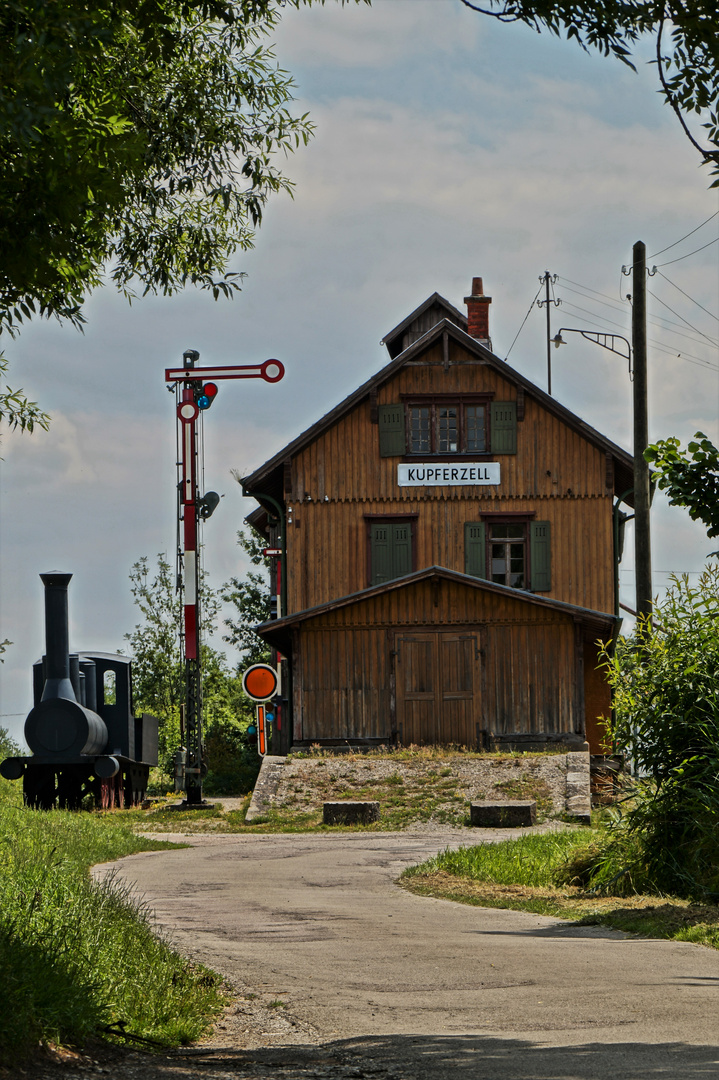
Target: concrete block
{"x":578,"y":794}
{"x":350,"y":813}
{"x":265,"y":788}
{"x":580,"y":807}
{"x":503,"y":815}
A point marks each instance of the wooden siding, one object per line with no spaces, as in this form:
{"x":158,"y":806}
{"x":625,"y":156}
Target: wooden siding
{"x":598,"y":700}
{"x":345,"y":685}
{"x":339,"y":478}
{"x":491,"y":663}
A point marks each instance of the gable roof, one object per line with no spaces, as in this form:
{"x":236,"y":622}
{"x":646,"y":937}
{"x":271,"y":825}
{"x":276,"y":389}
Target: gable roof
{"x":268,"y":478}
{"x":423,"y":318}
{"x":278,"y":631}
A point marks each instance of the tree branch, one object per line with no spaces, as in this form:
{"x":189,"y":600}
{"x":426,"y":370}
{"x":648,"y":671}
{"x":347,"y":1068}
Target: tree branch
{"x":501,"y":16}
{"x":708,"y":155}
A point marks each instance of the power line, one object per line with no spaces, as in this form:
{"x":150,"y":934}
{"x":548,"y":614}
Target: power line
{"x":593,"y":315}
{"x":684,"y":237}
{"x":531,"y":306}
{"x":715,"y":317}
{"x":614,"y":305}
{"x":694,"y":328}
{"x":587,"y":289}
{"x":689,"y":255}
{"x":689,"y":357}
{"x":656,"y":320}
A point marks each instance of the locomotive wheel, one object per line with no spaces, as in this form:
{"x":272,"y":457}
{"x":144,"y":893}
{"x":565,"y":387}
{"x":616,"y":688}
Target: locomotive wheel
{"x":71,"y":780}
{"x":112,"y":792}
{"x":136,"y":777}
{"x":38,"y":787}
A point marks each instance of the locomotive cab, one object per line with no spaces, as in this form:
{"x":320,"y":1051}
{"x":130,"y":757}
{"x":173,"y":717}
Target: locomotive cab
{"x":84,"y":735}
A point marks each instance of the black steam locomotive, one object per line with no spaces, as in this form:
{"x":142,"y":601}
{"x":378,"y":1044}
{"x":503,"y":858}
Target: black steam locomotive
{"x":85,"y":739}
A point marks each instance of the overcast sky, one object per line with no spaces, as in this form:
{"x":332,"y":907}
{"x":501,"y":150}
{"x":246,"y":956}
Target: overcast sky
{"x":447,"y":146}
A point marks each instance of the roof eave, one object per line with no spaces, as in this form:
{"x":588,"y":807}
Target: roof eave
{"x":288,"y":622}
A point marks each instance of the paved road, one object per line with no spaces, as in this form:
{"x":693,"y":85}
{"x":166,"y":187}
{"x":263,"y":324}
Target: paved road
{"x":425,"y":986}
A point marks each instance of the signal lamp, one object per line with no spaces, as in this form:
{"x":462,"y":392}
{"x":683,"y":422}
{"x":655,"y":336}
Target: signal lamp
{"x":207,"y":395}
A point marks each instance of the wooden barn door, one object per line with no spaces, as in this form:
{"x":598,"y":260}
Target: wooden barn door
{"x":438,"y":687}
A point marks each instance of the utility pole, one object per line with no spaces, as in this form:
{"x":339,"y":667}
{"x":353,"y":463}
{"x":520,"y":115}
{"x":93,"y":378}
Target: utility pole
{"x":548,"y":279}
{"x":642,"y":537}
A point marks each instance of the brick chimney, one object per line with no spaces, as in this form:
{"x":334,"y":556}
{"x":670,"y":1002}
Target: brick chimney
{"x":478,"y":313}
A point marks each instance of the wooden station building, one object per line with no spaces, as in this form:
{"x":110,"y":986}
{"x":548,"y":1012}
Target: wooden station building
{"x":450,"y":552}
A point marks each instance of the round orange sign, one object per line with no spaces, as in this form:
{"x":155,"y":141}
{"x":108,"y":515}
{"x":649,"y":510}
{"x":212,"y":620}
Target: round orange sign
{"x":260,"y":682}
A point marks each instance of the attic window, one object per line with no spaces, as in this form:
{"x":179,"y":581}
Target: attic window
{"x":447,"y":428}
{"x":447,"y":425}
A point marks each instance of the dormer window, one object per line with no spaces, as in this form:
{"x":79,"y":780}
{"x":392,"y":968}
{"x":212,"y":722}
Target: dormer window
{"x":447,"y":429}
{"x":460,"y":425}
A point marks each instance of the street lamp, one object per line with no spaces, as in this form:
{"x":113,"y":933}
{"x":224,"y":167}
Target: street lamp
{"x":605,"y":340}
{"x":642,"y":535}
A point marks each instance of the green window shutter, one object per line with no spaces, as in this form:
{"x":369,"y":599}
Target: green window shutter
{"x":381,"y":554}
{"x":390,"y":551}
{"x":391,"y":430}
{"x":475,"y":562}
{"x":503,"y":430}
{"x":540,"y":555}
{"x":401,"y":550}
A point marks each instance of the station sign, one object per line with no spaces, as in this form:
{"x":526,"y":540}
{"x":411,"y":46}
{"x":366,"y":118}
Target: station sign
{"x":451,"y":474}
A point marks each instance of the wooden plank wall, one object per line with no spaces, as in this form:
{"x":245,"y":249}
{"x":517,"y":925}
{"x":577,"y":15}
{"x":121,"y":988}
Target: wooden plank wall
{"x":344,"y":667}
{"x":340,"y":478}
{"x":345,"y":684}
{"x":530,"y":678}
{"x":598,"y":700}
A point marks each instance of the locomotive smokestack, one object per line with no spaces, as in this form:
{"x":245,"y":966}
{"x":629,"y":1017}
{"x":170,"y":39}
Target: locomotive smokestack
{"x":57,"y":637}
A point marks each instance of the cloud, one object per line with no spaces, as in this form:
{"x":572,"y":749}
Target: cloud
{"x":446,"y":147}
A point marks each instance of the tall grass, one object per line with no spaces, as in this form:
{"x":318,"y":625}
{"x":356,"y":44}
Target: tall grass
{"x":80,"y":959}
{"x":533,"y":860}
{"x":611,"y":862}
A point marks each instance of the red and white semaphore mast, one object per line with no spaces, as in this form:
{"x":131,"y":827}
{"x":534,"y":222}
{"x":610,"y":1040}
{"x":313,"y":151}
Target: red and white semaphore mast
{"x":195,"y":390}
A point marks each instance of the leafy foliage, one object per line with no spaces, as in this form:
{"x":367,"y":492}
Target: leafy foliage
{"x":690,"y":477}
{"x":158,"y":671}
{"x":16,"y":411}
{"x":137,"y":135}
{"x":159,"y":681}
{"x":666,"y":719}
{"x":251,"y":597}
{"x":686,"y":38}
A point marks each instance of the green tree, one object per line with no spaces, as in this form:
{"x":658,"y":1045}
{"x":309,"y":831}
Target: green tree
{"x":690,"y":477}
{"x":159,"y":680}
{"x":142,"y":137}
{"x":666,"y":720}
{"x":686,"y":46}
{"x":251,"y":598}
{"x":137,"y":135}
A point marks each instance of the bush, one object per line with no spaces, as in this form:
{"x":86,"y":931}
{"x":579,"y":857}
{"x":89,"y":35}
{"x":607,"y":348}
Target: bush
{"x":10,"y":790}
{"x":666,"y":720}
{"x":233,"y":764}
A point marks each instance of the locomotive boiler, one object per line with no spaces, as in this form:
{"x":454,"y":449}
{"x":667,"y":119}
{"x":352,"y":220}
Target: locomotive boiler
{"x":82,"y":731}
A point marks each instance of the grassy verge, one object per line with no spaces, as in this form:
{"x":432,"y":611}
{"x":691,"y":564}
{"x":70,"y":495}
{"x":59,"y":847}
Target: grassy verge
{"x":522,"y":875}
{"x":78,"y":959}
